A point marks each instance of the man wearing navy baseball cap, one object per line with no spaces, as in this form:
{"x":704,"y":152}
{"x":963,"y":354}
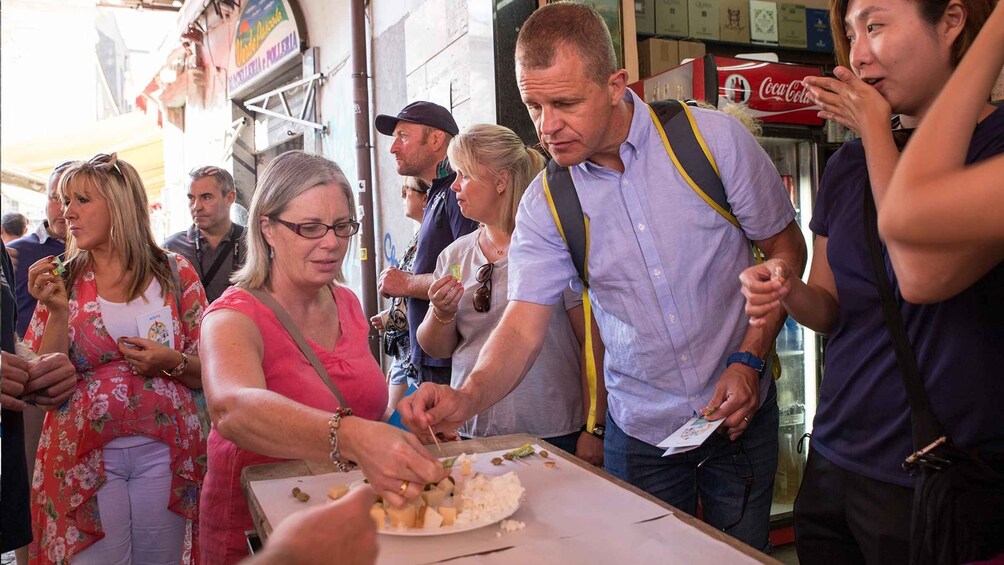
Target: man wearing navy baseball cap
{"x":422,"y":131}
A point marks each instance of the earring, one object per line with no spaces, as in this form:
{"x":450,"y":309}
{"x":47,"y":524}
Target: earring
{"x":271,"y":253}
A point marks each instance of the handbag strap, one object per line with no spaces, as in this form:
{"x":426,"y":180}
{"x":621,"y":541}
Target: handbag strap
{"x":224,"y":251}
{"x":308,"y":352}
{"x":176,"y":277}
{"x":925,"y":425}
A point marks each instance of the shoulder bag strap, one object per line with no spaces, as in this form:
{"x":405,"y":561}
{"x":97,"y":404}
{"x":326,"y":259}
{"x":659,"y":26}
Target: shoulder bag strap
{"x":176,"y":277}
{"x":567,"y":211}
{"x":690,"y":154}
{"x":221,"y":255}
{"x":925,"y":426}
{"x":573,"y":226}
{"x":308,"y":352}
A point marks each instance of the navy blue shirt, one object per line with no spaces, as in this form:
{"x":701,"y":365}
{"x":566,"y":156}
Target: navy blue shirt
{"x":863,"y":419}
{"x":30,"y":249}
{"x":442,"y":225}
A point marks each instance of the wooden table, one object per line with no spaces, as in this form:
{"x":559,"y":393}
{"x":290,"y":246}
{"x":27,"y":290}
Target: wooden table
{"x":306,"y":468}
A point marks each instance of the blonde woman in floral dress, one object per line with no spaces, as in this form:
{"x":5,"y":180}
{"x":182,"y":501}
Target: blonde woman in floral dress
{"x":120,"y":464}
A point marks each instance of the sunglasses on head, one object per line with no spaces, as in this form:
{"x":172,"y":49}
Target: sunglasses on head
{"x":107,"y":162}
{"x":483,"y":295}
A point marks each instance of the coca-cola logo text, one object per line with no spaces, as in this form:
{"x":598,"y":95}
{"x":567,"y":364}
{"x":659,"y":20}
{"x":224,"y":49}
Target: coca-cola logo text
{"x":792,"y":92}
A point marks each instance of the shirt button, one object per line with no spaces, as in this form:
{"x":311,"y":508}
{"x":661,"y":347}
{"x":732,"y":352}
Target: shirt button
{"x":672,"y":317}
{"x":683,"y":357}
{"x":624,"y":182}
{"x":641,"y":227}
{"x":693,"y":399}
{"x":657,"y":272}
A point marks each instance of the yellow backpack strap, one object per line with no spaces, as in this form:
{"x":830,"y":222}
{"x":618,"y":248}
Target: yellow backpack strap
{"x":695,"y":163}
{"x":573,"y":226}
{"x":690,"y":154}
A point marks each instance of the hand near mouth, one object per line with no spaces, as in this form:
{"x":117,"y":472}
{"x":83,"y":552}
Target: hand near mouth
{"x":850,"y":101}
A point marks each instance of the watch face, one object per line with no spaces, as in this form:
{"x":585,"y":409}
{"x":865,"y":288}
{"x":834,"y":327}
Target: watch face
{"x":598,"y":431}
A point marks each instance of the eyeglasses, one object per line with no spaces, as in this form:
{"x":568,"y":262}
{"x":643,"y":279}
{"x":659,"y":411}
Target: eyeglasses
{"x":406,"y":189}
{"x":317,"y":230}
{"x":483,"y":295}
{"x":744,"y":471}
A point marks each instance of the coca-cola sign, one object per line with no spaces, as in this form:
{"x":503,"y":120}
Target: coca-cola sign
{"x":773,"y":92}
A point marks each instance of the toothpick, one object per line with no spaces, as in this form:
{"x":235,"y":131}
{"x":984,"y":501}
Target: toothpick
{"x":439,"y":447}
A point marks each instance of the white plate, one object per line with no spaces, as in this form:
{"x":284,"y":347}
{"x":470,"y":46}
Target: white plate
{"x":443,"y":530}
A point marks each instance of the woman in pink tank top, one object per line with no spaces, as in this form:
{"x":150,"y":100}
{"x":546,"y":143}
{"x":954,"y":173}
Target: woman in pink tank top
{"x":267,"y":401}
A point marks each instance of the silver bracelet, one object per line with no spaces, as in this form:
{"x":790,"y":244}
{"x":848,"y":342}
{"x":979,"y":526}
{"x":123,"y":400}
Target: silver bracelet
{"x":344,"y":465}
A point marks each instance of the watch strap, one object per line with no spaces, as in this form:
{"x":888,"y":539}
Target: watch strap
{"x":748,"y":359}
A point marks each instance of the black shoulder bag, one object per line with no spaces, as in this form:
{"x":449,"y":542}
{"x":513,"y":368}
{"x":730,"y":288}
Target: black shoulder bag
{"x":958,"y":503}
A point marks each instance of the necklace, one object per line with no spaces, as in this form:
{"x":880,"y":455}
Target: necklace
{"x":489,"y":240}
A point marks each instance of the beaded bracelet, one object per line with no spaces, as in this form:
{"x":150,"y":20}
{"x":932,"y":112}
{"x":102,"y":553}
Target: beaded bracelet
{"x":440,"y":320}
{"x":344,"y":465}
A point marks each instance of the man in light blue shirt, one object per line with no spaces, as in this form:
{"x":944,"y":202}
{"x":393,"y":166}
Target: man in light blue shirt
{"x":664,"y":281}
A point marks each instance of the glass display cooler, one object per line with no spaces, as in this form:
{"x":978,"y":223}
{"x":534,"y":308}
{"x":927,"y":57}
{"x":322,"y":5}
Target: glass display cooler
{"x":793,"y":136}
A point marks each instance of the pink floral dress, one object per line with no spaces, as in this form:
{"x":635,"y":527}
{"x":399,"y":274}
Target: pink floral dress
{"x":111,"y":401}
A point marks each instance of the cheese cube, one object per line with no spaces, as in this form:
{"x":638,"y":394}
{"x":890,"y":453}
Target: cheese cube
{"x":449,"y":515}
{"x":432,"y":519}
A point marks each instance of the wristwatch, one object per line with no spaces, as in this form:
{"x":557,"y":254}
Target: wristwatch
{"x":599,"y":430}
{"x":750,"y":360}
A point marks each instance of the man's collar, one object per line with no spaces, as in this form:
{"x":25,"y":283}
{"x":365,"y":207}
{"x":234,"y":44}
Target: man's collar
{"x":638,"y":131}
{"x":641,"y":121}
{"x":194,"y":231}
{"x":443,"y":169}
{"x":43,"y":233}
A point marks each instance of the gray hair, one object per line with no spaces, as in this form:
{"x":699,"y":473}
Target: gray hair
{"x":284,"y":178}
{"x":224,"y":180}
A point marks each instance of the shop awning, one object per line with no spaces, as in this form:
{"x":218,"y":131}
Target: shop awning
{"x":135,"y":137}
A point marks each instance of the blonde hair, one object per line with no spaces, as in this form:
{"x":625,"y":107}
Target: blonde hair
{"x":130,"y":236}
{"x":287,"y":176}
{"x":497,"y":149}
{"x":739,"y":112}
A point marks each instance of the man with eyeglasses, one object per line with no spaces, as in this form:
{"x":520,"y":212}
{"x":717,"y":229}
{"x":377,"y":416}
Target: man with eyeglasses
{"x":213,"y":243}
{"x":422,"y":131}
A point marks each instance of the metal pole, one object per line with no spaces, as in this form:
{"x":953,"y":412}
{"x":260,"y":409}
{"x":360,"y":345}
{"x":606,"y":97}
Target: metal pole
{"x":360,"y":95}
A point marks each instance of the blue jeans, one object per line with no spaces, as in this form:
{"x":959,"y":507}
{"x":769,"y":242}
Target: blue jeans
{"x":720,"y":481}
{"x":403,"y":372}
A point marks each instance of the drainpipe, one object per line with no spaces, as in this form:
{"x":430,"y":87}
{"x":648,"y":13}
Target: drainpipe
{"x":360,"y":95}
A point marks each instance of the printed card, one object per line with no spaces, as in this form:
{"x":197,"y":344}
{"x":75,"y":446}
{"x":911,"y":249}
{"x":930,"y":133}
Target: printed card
{"x":455,"y":271}
{"x":157,"y":326}
{"x":690,"y":436}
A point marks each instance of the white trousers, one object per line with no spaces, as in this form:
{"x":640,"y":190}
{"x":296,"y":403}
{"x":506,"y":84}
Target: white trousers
{"x":139,"y":528}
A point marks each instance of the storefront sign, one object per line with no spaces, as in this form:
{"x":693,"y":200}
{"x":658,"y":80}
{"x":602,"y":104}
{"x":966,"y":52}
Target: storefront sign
{"x":772,"y":92}
{"x":266,"y":38}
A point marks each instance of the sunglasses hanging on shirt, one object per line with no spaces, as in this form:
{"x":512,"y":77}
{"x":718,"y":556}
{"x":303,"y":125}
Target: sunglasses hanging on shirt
{"x":483,"y":295}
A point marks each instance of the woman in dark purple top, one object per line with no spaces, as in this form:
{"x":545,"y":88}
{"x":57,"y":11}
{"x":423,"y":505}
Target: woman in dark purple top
{"x":854,"y":505}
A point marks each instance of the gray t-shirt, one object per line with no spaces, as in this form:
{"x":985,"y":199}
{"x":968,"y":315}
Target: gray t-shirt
{"x":548,"y":402}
